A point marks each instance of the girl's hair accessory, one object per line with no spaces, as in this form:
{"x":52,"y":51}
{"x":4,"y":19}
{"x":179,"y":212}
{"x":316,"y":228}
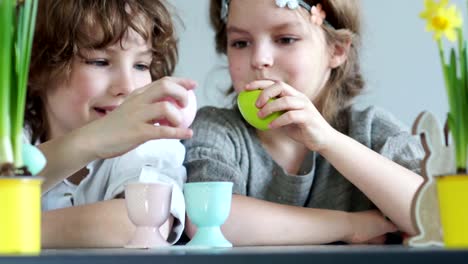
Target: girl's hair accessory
{"x":293,"y":4}
{"x":316,"y":12}
{"x":224,"y":10}
{"x":318,"y":15}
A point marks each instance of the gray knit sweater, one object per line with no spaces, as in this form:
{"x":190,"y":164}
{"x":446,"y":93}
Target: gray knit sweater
{"x":225,"y":148}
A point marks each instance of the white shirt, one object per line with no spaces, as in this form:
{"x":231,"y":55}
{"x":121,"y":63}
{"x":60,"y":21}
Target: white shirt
{"x":157,"y":160}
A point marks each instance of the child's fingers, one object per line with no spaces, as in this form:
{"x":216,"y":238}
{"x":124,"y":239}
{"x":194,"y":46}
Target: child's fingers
{"x":286,"y":103}
{"x":390,"y":226}
{"x":288,"y":118}
{"x":165,"y":88}
{"x":385,"y":226}
{"x":268,"y":93}
{"x":279,"y":89}
{"x":377,"y":240}
{"x":159,"y":132}
{"x":188,"y":84}
{"x":163,"y":110}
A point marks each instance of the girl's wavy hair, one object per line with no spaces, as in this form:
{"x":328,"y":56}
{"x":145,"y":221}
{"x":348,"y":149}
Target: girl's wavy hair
{"x":65,"y":27}
{"x":346,"y":81}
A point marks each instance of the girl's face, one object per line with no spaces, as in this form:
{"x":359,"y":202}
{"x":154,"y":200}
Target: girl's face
{"x":279,"y":44}
{"x":98,"y":83}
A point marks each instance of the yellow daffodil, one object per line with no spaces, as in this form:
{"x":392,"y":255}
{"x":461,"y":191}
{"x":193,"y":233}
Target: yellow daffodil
{"x":445,"y":20}
{"x":442,"y":20}
{"x":431,"y":8}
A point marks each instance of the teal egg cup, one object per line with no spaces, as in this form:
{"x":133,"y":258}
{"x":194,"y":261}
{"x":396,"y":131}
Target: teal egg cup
{"x":208,"y":205}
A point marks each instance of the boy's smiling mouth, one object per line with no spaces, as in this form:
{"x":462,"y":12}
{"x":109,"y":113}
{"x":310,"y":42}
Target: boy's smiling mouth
{"x":104,"y":110}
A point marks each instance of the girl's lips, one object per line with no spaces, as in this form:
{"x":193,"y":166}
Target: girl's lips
{"x":271,"y":79}
{"x":266,"y":79}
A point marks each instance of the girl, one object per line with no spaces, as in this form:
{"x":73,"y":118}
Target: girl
{"x":96,"y":89}
{"x":324,"y":171}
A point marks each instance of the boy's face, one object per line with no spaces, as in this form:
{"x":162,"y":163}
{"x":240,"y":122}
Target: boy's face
{"x":280,"y":44}
{"x":98,"y":83}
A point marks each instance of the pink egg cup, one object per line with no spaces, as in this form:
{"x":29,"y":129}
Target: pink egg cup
{"x":148,"y":207}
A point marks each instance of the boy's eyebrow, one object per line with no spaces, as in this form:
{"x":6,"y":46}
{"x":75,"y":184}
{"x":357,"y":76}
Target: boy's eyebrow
{"x":142,"y":52}
{"x":145,"y":53}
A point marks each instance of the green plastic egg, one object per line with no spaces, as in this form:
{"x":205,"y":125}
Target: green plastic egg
{"x":246,"y":103}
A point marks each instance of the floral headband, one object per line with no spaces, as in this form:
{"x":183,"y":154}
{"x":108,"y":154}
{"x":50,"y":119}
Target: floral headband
{"x":316,"y":12}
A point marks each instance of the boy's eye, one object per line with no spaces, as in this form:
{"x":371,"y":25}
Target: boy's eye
{"x":142,"y":67}
{"x":98,"y":63}
{"x":287,"y":40}
{"x":239,"y":44}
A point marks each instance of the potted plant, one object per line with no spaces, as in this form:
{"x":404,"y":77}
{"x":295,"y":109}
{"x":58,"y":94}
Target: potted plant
{"x":445,"y":21}
{"x":19,"y":195}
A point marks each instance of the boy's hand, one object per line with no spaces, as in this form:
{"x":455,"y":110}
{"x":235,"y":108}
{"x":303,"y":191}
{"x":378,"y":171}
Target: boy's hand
{"x":132,"y":123}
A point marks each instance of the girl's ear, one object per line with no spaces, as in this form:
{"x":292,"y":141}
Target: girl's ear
{"x":339,"y":53}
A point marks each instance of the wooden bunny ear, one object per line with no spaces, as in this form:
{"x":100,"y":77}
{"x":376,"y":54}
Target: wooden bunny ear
{"x":427,"y":126}
{"x":439,"y":158}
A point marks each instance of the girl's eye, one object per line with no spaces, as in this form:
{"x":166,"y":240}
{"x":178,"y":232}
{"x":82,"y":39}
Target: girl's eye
{"x":142,"y":67}
{"x":239,"y":44}
{"x":98,"y":63}
{"x":287,"y":40}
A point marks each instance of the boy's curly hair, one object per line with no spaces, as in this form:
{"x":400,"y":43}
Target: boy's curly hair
{"x":346,"y":81}
{"x":65,"y":27}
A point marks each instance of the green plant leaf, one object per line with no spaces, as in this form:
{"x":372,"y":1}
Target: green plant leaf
{"x":17,"y":23}
{"x":24,"y":37}
{"x":6,"y":38}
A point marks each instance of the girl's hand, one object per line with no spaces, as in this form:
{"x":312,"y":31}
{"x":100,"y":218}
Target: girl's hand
{"x":369,"y":227}
{"x":132,"y":123}
{"x":301,"y":118}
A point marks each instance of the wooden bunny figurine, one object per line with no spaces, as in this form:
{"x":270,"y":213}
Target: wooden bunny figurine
{"x":439,"y":160}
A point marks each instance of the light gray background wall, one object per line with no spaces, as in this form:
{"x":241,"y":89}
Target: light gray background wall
{"x":399,"y":59}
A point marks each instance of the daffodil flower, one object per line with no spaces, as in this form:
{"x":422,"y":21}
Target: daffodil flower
{"x":441,"y":19}
{"x":446,"y":21}
{"x":432,"y":8}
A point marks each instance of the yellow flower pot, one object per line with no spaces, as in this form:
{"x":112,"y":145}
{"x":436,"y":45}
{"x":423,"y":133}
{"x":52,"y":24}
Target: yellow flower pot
{"x":20,"y":215}
{"x":453,"y":202}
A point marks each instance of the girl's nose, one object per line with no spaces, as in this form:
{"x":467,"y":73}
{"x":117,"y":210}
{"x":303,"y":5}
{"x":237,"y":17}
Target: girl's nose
{"x":123,"y":83}
{"x":262,"y":56}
